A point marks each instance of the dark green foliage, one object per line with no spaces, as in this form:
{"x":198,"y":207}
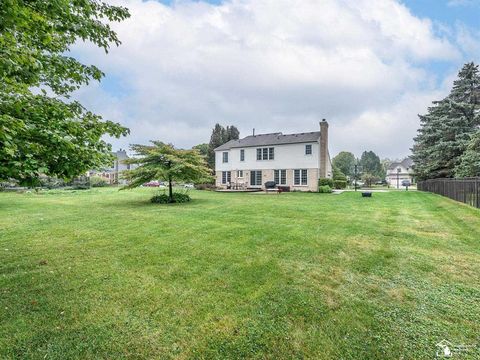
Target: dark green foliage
{"x":325,"y":181}
{"x":469,"y":162}
{"x":370,"y":163}
{"x":447,"y":129}
{"x":220,"y":136}
{"x":325,"y":189}
{"x":177,"y":197}
{"x":345,"y":162}
{"x":339,"y":184}
{"x":338,"y":174}
{"x":163,"y":162}
{"x":42,"y":134}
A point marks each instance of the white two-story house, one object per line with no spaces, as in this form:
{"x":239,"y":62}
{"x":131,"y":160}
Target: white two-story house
{"x":293,"y":160}
{"x":399,"y":171}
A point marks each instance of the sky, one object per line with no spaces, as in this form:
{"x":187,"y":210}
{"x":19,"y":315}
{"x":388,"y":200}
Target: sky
{"x":367,"y":66}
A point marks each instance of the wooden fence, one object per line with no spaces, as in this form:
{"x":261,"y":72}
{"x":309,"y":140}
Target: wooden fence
{"x":465,"y":190}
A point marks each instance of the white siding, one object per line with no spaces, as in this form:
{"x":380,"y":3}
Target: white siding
{"x":288,"y":156}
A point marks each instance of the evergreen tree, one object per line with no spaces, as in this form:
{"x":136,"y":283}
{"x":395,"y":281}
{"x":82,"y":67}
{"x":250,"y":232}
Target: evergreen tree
{"x":232,"y":133}
{"x":447,"y":128}
{"x":469,"y":165}
{"x":370,"y":163}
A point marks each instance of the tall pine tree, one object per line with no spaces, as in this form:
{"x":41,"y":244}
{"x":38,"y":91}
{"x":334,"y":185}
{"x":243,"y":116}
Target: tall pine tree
{"x":447,"y":128}
{"x":470,"y":160}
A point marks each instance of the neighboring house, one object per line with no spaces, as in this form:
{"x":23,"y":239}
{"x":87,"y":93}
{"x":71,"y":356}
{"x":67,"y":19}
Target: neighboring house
{"x":399,"y":171}
{"x":294,"y":160}
{"x":112,"y":175}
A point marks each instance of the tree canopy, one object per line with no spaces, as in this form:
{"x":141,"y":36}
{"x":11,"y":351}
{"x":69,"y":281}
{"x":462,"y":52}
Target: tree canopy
{"x":202,"y":149}
{"x":345,"y":162}
{"x":370,"y":164}
{"x":41,"y":131}
{"x":448,"y":130}
{"x":469,"y":164}
{"x":162,"y":161}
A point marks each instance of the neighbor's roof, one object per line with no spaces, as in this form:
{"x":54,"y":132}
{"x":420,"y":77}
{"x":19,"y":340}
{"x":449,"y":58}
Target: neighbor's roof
{"x":271,"y":139}
{"x":406,"y":163}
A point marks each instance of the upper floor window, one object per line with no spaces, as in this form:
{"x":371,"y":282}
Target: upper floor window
{"x":242,"y":155}
{"x":225,"y":157}
{"x":308,"y":149}
{"x":265,"y":153}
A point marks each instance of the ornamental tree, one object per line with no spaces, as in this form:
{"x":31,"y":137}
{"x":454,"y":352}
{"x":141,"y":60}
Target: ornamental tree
{"x":41,"y":131}
{"x":162,"y":161}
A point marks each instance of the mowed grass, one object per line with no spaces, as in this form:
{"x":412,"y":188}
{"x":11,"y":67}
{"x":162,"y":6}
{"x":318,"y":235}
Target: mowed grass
{"x":105,"y":274}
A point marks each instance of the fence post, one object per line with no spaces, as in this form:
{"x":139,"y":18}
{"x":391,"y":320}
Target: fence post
{"x":477,"y":181}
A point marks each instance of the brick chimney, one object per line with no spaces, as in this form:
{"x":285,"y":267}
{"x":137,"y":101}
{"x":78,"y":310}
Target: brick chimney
{"x":323,"y":148}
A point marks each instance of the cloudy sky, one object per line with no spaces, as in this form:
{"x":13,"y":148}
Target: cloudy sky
{"x":367,"y":66}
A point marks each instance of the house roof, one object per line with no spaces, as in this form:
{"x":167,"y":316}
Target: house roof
{"x":270,"y":139}
{"x":406,"y":163}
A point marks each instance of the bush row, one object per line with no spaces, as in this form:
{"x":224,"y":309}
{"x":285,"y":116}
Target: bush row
{"x":178,"y":197}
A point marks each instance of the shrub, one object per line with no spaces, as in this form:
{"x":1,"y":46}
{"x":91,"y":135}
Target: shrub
{"x":324,"y":189}
{"x":205,"y":186}
{"x":97,"y":181}
{"x":340,"y":184}
{"x":325,"y":181}
{"x":178,"y":197}
{"x":51,"y":182}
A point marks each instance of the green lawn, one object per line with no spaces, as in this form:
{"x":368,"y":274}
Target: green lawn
{"x":106,"y":274}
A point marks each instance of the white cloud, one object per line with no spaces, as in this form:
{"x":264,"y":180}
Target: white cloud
{"x":275,"y":65}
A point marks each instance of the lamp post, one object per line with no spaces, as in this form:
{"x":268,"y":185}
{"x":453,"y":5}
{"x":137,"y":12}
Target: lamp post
{"x":398,"y":177}
{"x":355,"y":178}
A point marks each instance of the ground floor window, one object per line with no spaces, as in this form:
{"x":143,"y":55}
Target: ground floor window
{"x":240,"y":173}
{"x":280,"y":177}
{"x":256,"y":178}
{"x":226,"y":177}
{"x":300,"y":177}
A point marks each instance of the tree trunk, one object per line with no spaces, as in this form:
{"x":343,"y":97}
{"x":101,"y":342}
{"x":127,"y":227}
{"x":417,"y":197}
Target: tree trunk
{"x":170,"y":191}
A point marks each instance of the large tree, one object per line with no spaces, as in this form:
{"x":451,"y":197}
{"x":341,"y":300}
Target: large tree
{"x":345,"y":162}
{"x":162,"y":161}
{"x":469,"y":164}
{"x":220,"y":135}
{"x":447,"y":128}
{"x":41,"y":131}
{"x":370,"y":164}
